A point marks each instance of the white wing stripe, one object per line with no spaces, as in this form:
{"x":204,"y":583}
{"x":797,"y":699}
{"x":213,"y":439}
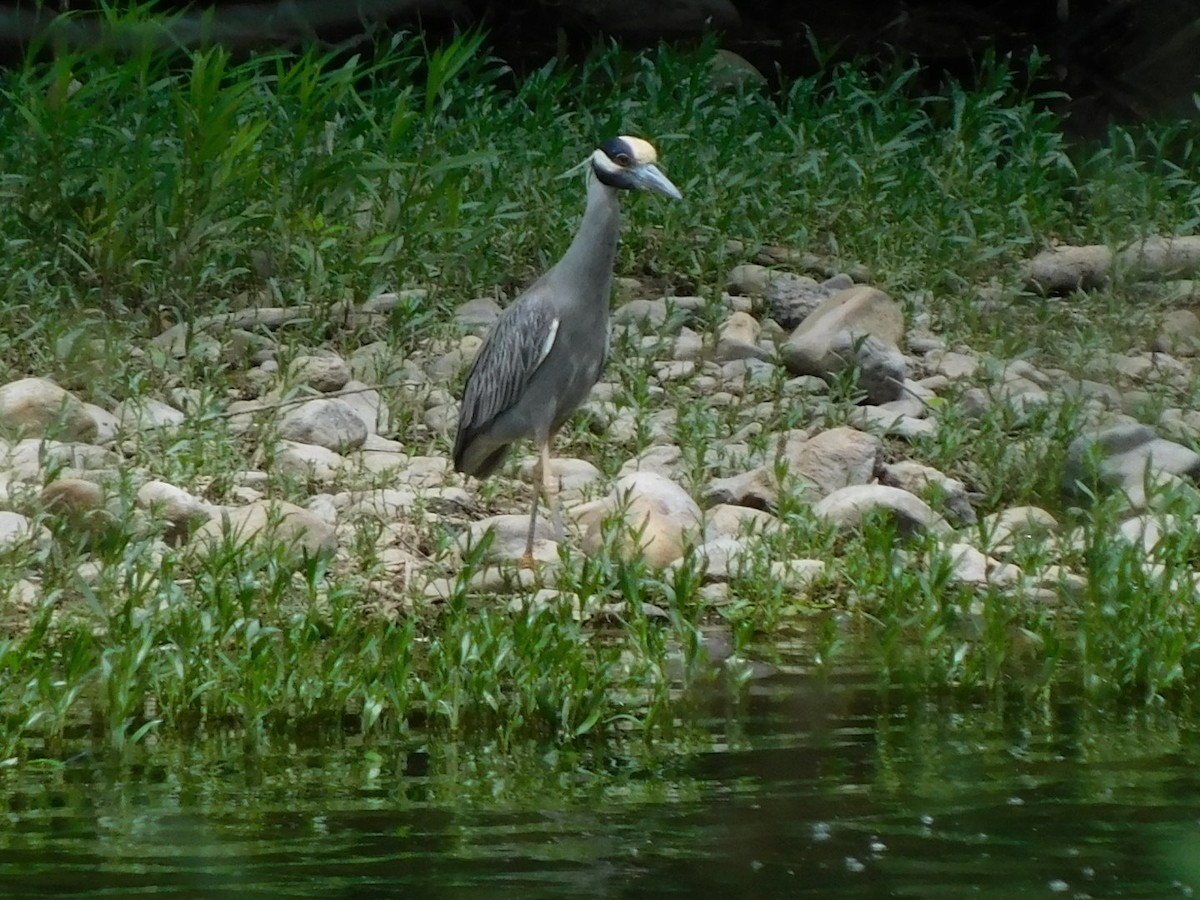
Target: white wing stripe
{"x":547,"y":344}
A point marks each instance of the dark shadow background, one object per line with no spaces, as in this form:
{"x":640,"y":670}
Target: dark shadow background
{"x":1119,"y":60}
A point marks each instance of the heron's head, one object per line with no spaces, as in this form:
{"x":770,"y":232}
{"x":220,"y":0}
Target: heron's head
{"x":629,"y":162}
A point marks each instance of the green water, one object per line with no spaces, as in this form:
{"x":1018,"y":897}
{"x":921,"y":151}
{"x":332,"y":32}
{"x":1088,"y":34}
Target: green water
{"x":791,"y":787}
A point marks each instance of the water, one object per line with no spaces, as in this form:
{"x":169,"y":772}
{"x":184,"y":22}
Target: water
{"x":796,"y":788}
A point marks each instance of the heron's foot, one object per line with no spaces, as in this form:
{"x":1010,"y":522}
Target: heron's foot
{"x":526,"y":560}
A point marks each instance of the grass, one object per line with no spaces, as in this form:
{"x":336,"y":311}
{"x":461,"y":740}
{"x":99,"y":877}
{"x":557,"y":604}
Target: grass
{"x":142,"y":188}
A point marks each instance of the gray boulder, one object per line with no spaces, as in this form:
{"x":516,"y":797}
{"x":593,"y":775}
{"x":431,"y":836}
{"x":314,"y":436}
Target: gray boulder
{"x":859,"y":327}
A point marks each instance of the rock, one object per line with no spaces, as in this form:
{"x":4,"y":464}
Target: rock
{"x":689,"y":346}
{"x":509,"y":536}
{"x":1124,"y":457}
{"x":823,"y":463}
{"x":423,"y":472}
{"x":573,"y":475}
{"x":738,"y":339}
{"x":147,"y":413}
{"x":367,"y":405}
{"x":847,"y":507}
{"x":955,"y":366}
{"x":664,"y":459}
{"x":1179,"y":334}
{"x":941,"y":490}
{"x":450,"y":365}
{"x":389,"y":504}
{"x":477,"y":316}
{"x":858,"y":327}
{"x":265,"y":524}
{"x":1161,"y":257}
{"x":36,"y":407}
{"x":181,"y":511}
{"x":730,"y":70}
{"x":750,"y":279}
{"x":1152,"y":368}
{"x":675,"y":370}
{"x":970,"y":566}
{"x":324,"y":373}
{"x":727,"y":520}
{"x":833,"y":459}
{"x":879,"y":420}
{"x":16,"y":530}
{"x":329,"y":423}
{"x":657,"y":519}
{"x":81,"y":505}
{"x":1004,"y":528}
{"x":107,"y":425}
{"x":722,"y":558}
{"x":755,"y":489}
{"x":643,"y":312}
{"x":1066,"y":269}
{"x":33,"y":459}
{"x":790,"y":299}
{"x":1148,"y":531}
{"x":308,"y":462}
{"x":22,"y":597}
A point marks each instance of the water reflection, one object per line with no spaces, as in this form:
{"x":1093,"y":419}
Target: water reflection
{"x":794,"y":787}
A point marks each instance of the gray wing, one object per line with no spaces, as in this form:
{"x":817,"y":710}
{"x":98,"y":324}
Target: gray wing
{"x":512,"y":351}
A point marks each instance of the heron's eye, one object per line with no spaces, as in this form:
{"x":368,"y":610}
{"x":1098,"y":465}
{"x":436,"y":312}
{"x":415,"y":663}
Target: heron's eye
{"x":623,"y":159}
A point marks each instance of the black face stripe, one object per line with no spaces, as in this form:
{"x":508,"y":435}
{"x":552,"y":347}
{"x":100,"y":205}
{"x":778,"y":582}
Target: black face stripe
{"x":614,"y":178}
{"x":618,"y":151}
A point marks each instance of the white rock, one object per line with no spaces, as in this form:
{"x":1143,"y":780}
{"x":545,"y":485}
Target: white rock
{"x":848,"y":506}
{"x":35,"y":407}
{"x":329,"y":423}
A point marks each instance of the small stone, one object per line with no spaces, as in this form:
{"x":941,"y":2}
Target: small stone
{"x":738,"y":339}
{"x":658,"y":516}
{"x":645,"y":312}
{"x":328,"y":423}
{"x":1124,"y":457}
{"x":308,"y":462}
{"x":477,"y":316}
{"x":147,"y":413}
{"x":674,"y":370}
{"x":107,"y":425}
{"x":177,"y":507}
{"x":17,"y":530}
{"x":79,"y":503}
{"x":727,"y":520}
{"x":325,"y":373}
{"x":1007,"y":526}
{"x":573,"y":475}
{"x":1148,"y":531}
{"x":1066,"y":269}
{"x":689,"y":346}
{"x":663,"y":459}
{"x":454,"y":363}
{"x":273,"y":524}
{"x":367,"y":404}
{"x":1179,"y":334}
{"x":970,"y":566}
{"x":509,"y":535}
{"x":36,"y":407}
{"x":848,"y":506}
{"x":749,"y":279}
{"x":858,"y":327}
{"x":948,"y":493}
{"x":790,"y":299}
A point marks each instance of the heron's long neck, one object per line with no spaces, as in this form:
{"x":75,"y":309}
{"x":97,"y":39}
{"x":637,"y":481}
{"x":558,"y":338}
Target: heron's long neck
{"x":588,"y":263}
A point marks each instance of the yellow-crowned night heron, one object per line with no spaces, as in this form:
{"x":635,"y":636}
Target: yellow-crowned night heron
{"x":548,"y":348}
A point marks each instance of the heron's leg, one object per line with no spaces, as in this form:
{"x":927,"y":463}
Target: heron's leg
{"x":538,"y":481}
{"x":550,"y":486}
